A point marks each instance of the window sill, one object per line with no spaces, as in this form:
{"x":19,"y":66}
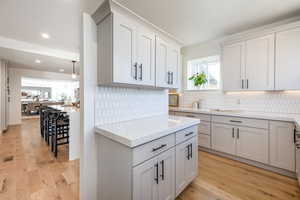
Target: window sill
{"x":202,"y":90}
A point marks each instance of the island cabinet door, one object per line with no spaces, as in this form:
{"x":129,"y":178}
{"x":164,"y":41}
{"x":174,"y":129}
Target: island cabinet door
{"x":146,"y":180}
{"x":186,"y":164}
{"x":166,"y":187}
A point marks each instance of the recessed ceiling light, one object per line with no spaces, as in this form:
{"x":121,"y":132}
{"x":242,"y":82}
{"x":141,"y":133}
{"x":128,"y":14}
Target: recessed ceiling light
{"x":45,"y":35}
{"x":38,"y":61}
{"x":61,"y":70}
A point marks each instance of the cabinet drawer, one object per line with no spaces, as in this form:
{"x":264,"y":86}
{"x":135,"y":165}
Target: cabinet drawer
{"x":239,"y":121}
{"x":204,"y":140}
{"x":185,"y":134}
{"x":194,"y":115}
{"x":204,"y":128}
{"x":147,"y":151}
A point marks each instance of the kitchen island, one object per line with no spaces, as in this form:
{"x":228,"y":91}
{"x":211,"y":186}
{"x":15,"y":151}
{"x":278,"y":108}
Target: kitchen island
{"x":148,"y":158}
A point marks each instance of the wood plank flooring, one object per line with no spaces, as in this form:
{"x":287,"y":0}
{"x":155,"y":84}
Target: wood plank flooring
{"x":224,"y":179}
{"x":28,"y":171}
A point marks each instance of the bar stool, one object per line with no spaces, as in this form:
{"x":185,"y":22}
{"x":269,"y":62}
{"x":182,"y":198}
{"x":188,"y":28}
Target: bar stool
{"x":61,"y":133}
{"x":51,"y":116}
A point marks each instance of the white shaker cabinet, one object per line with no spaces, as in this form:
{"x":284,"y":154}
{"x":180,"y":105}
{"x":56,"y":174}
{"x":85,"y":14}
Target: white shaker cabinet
{"x":126,"y":52}
{"x":287,"y":74}
{"x":186,"y":164}
{"x":144,"y":184}
{"x":223,"y":138}
{"x":233,"y":66}
{"x":252,"y":143}
{"x":259,"y":64}
{"x":282,"y":147}
{"x":154,"y":179}
{"x":167,"y":64}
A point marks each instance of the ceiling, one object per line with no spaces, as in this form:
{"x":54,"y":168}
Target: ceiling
{"x":190,"y":21}
{"x":25,"y":20}
{"x":21,"y":59}
{"x":196,"y":21}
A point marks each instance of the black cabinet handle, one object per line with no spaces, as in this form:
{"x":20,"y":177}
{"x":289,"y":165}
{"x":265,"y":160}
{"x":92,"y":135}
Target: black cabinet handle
{"x":156,"y":178}
{"x":295,"y":140}
{"x":168,"y":77}
{"x":190,"y":116}
{"x":141,"y":72}
{"x":188,"y":153}
{"x":242,"y":83}
{"x":158,"y":148}
{"x":236,"y":121}
{"x":238,"y":133}
{"x":135,"y":71}
{"x":247,"y":84}
{"x":171,"y":77}
{"x":191,"y":150}
{"x":190,"y":133}
{"x":232,"y":132}
{"x":162,"y":170}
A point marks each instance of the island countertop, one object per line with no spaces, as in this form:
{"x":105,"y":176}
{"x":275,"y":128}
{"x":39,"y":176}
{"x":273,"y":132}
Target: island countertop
{"x":136,"y":132}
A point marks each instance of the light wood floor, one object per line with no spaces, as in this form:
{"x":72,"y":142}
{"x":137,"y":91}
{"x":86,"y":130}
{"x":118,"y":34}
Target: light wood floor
{"x":223,"y":179}
{"x":28,"y":170}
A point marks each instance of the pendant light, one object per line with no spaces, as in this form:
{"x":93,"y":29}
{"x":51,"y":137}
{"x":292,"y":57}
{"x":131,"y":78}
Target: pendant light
{"x":74,"y":72}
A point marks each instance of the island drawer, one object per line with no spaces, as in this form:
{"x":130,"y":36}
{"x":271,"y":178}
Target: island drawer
{"x":151,"y":149}
{"x":239,"y":121}
{"x":194,"y":115}
{"x":185,"y":134}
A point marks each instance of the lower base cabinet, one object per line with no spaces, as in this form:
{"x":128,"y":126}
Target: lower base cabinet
{"x":186,"y":164}
{"x":249,"y":143}
{"x":154,"y":179}
{"x":158,"y":170}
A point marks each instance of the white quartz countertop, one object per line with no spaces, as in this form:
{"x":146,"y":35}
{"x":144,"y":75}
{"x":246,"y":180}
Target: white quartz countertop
{"x":136,"y":132}
{"x":240,"y":113}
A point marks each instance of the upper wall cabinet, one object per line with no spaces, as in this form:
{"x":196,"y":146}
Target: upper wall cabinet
{"x":287,"y":75}
{"x":249,"y":65}
{"x":167,"y":64}
{"x":130,"y":51}
{"x":125,"y":52}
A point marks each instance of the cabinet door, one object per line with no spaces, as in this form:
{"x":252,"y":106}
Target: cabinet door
{"x":145,"y":185}
{"x":124,"y":51}
{"x":223,"y":138}
{"x":282,"y":147}
{"x":161,"y":63}
{"x":145,"y":54}
{"x":287,"y":73}
{"x":186,"y":164}
{"x":167,"y":175}
{"x":260,"y":58}
{"x":252,"y":144}
{"x":173,"y":60}
{"x":233,"y":66}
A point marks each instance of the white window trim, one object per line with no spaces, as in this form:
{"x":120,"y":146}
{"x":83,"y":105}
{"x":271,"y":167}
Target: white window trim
{"x":213,"y":57}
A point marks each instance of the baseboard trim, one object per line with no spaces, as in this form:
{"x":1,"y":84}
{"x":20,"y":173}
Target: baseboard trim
{"x":250,"y":162}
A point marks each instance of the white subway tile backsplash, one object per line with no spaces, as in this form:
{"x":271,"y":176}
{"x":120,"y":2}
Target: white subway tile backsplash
{"x":279,"y":102}
{"x":114,"y":104}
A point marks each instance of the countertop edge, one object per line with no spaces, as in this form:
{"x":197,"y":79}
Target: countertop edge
{"x":244,"y":115}
{"x":146,"y":139}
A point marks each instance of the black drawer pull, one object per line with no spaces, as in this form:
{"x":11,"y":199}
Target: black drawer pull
{"x":158,"y":148}
{"x":190,"y":116}
{"x":190,"y":133}
{"x":156,"y":178}
{"x":236,"y":121}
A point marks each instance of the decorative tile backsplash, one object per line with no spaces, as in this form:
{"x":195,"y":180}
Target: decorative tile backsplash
{"x":114,"y":104}
{"x":277,"y":102}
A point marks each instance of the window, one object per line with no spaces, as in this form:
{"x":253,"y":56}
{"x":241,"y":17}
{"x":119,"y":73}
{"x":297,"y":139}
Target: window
{"x":210,"y":67}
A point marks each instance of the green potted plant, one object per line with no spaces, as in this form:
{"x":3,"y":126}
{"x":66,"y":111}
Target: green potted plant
{"x":199,"y":79}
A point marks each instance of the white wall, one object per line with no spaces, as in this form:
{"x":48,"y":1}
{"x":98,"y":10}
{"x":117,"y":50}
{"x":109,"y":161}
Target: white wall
{"x":101,"y":105}
{"x":279,"y":102}
{"x":15,"y":75}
